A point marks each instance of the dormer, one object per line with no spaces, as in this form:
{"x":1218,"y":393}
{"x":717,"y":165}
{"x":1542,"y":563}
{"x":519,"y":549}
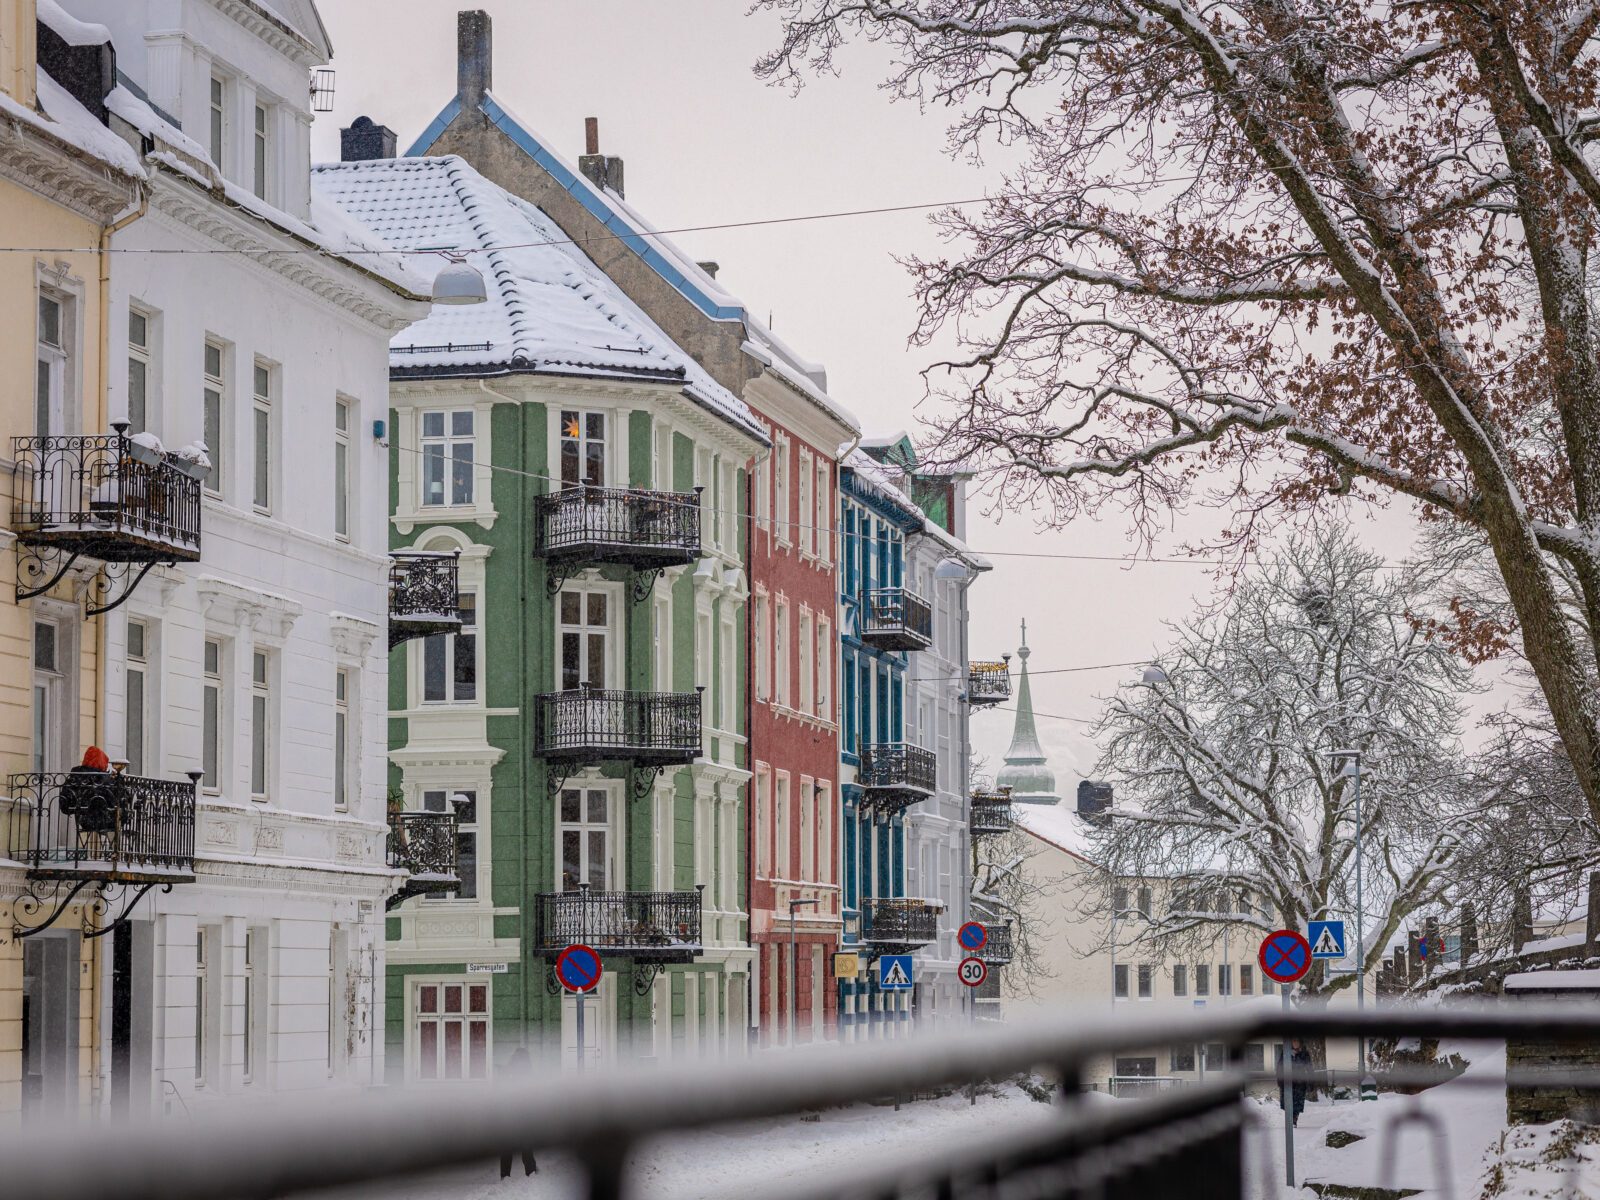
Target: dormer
{"x":234,"y":75}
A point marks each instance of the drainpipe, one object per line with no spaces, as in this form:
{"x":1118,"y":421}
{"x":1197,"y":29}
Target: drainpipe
{"x":750,"y":1006}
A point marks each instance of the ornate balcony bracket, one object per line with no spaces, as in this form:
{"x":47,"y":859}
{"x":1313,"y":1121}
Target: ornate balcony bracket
{"x":642,"y":780}
{"x":104,"y":586}
{"x":45,"y":895}
{"x":555,"y":778}
{"x":644,"y":975}
{"x":111,"y":895}
{"x":33,"y":564}
{"x":552,"y":981}
{"x":31,"y":903}
{"x":644,"y":582}
{"x":557,"y":573}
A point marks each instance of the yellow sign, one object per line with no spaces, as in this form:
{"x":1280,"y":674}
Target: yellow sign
{"x":846,"y":966}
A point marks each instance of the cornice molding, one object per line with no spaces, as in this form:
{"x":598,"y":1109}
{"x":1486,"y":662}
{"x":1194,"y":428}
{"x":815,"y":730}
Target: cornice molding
{"x":352,"y":636}
{"x":60,"y":172}
{"x":272,"y":30}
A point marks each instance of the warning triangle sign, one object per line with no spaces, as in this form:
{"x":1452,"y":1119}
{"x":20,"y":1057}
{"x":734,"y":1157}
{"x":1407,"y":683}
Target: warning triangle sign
{"x":1328,"y":944}
{"x":895,"y":976}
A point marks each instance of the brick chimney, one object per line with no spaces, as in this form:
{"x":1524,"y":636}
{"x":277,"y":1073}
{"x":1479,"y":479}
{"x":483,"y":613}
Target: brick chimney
{"x":1093,"y":800}
{"x":474,"y":56}
{"x":600,"y":170}
{"x":364,"y":141}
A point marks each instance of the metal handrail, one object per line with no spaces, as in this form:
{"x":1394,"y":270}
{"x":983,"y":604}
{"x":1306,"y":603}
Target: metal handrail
{"x":425,"y":583}
{"x":586,"y":521}
{"x":898,"y":766}
{"x":100,"y":824}
{"x":591,"y":723}
{"x":425,"y":844}
{"x":898,"y":921}
{"x":898,"y":613}
{"x":988,"y":682}
{"x":990,"y":813}
{"x":634,"y":924}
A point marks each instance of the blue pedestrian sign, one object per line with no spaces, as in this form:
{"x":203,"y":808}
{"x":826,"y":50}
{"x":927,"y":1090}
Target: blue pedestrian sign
{"x":894,"y":972}
{"x":1326,"y":938}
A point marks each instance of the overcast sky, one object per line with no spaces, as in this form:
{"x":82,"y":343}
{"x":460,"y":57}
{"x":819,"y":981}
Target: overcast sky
{"x":706,"y":143}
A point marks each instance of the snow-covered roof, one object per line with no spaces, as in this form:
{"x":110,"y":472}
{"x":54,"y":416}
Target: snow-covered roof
{"x":1057,"y":824}
{"x":550,"y":310}
{"x":659,"y":252}
{"x":1545,"y":981}
{"x":879,"y":478}
{"x":69,"y":29}
{"x":61,"y":116}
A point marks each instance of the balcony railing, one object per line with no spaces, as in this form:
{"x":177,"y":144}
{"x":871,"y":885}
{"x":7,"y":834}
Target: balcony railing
{"x":424,"y":594}
{"x":897,"y":619}
{"x":896,"y":775}
{"x":996,"y":948}
{"x":658,"y":926}
{"x":85,"y":824}
{"x":105,"y":496}
{"x":989,"y":683}
{"x":641,"y":528}
{"x":425,"y":845}
{"x":590,"y":725}
{"x":991,"y":813}
{"x":899,"y":922}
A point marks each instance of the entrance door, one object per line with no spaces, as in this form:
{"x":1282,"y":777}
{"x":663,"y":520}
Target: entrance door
{"x":452,"y":1031}
{"x":49,"y":1023}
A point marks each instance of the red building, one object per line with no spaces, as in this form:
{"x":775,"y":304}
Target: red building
{"x":794,"y":726}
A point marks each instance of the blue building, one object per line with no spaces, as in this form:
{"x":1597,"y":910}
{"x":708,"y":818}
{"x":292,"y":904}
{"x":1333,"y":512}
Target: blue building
{"x":882,"y":622}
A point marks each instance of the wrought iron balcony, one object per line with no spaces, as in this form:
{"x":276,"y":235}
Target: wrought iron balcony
{"x":105,"y":497}
{"x":896,"y":619}
{"x":425,"y":845}
{"x":989,"y":683}
{"x":895,"y":775}
{"x":660,"y":927}
{"x":640,"y":528}
{"x":101,"y":825}
{"x":424,"y":594}
{"x":895,"y":922}
{"x":588,"y":725}
{"x":991,"y":813}
{"x":996,"y":948}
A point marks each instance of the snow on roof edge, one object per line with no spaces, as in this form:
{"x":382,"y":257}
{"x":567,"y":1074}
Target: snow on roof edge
{"x":68,"y":28}
{"x":64,"y":118}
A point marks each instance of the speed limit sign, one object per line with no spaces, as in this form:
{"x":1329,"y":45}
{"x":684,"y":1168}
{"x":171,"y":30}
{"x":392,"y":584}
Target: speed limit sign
{"x":972,"y":971}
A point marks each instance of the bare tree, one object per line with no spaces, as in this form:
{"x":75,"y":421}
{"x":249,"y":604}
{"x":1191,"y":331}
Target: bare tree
{"x":1228,"y":803}
{"x":1300,"y":247}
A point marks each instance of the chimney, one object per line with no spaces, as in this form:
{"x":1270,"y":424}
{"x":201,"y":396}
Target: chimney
{"x":474,"y":56}
{"x":364,"y":141}
{"x":1093,"y":800}
{"x":87,"y":70}
{"x":601,"y":171}
{"x":710,"y":268}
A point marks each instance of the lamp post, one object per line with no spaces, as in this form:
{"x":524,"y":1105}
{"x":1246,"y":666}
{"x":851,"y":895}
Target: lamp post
{"x":794,"y":904}
{"x":1353,"y":769}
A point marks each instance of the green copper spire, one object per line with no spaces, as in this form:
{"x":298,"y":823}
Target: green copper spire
{"x":1027,"y":772}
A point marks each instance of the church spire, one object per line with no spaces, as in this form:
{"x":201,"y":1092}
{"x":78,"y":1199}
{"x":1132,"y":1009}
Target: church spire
{"x":1026,"y":772}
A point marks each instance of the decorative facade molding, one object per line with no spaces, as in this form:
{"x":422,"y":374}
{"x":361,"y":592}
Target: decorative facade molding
{"x":353,"y":637}
{"x":233,"y":606}
{"x":59,"y":171}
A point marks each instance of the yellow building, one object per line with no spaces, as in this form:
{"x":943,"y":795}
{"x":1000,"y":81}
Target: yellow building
{"x":65,"y":181}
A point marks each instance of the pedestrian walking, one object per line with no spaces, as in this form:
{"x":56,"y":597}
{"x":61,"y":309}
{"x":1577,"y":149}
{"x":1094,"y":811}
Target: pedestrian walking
{"x":1299,"y":1067}
{"x":520,"y":1066}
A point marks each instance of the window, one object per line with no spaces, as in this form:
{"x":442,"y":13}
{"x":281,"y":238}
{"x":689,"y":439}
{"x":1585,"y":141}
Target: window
{"x":805,"y":528}
{"x":260,"y":147}
{"x":201,"y":970}
{"x":663,"y":644}
{"x":585,"y":636}
{"x":763,"y":819}
{"x":1180,"y":980}
{"x":341,"y":739}
{"x":452,"y":1031}
{"x":211,"y":716}
{"x":1119,"y":901}
{"x":450,"y":660}
{"x":133,"y":741}
{"x":807,"y":674}
{"x":49,"y":686}
{"x":465,"y":804}
{"x":1202,"y":981}
{"x":1216,"y":1056}
{"x":763,"y":500}
{"x":1225,"y":979}
{"x":333,"y":995}
{"x":50,"y":387}
{"x":782,"y":515}
{"x":1247,"y":979}
{"x":251,"y":1008}
{"x":1144,"y":903}
{"x":824,"y":833}
{"x":1119,"y":981}
{"x":824,"y":668}
{"x":763,"y":649}
{"x":341,"y":468}
{"x":217,"y":93}
{"x":585,"y":839}
{"x":1266,"y":986}
{"x":808,"y":829}
{"x":583,"y":448}
{"x":138,"y":370}
{"x":1182,"y":1059}
{"x":1147,"y":981}
{"x":780,"y":646}
{"x":1255,"y":1056}
{"x":215,"y":395}
{"x":447,"y":458}
{"x":260,"y":715}
{"x":782,"y":830}
{"x":261,"y":494}
{"x":727,"y":700}
{"x":824,"y":516}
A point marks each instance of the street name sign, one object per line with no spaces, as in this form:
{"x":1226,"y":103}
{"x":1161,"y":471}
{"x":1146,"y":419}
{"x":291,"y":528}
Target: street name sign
{"x":1326,"y":938}
{"x":894,"y":973}
{"x":1285,"y":956}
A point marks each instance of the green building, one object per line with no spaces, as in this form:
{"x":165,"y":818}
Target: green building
{"x":587,"y":721}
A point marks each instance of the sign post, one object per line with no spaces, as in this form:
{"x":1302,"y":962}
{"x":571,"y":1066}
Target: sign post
{"x":1285,"y":956}
{"x":578,"y":969}
{"x":972,"y":972}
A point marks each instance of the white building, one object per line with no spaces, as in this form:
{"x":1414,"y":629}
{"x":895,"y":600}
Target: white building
{"x":264,"y":665}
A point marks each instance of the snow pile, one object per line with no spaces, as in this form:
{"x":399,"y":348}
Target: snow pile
{"x":63,"y":117}
{"x":1532,"y":1162}
{"x":69,"y":29}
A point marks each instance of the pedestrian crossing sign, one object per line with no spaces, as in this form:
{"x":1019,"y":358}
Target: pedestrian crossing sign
{"x":1326,"y":938}
{"x":894,"y":973}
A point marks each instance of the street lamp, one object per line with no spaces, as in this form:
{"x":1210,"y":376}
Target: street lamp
{"x":1154,"y":674}
{"x":794,"y":904}
{"x":1351,"y":760}
{"x":459,"y":283}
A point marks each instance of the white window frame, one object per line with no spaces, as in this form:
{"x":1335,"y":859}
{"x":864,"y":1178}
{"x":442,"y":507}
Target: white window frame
{"x":612,"y":827}
{"x":727,"y":697}
{"x":467,"y":607}
{"x":344,"y":756}
{"x":824,"y":519}
{"x":782,"y":515}
{"x":52,"y":414}
{"x":343,"y":468}
{"x":763,"y":819}
{"x":808,"y":828}
{"x":136,"y":696}
{"x":141,"y":365}
{"x":807,"y":481}
{"x":611,"y":629}
{"x":583,"y":441}
{"x":54,"y":695}
{"x":254,"y":974}
{"x":807,"y":648}
{"x":780,"y":654}
{"x":782,"y":826}
{"x":261,"y":149}
{"x":824,"y":668}
{"x":217,"y":125}
{"x":214,"y":394}
{"x":450,"y":443}
{"x":761,"y":614}
{"x":825,"y":858}
{"x":263,"y":731}
{"x":263,"y":436}
{"x":441,"y":798}
{"x":415,"y":1019}
{"x":212,"y":682}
